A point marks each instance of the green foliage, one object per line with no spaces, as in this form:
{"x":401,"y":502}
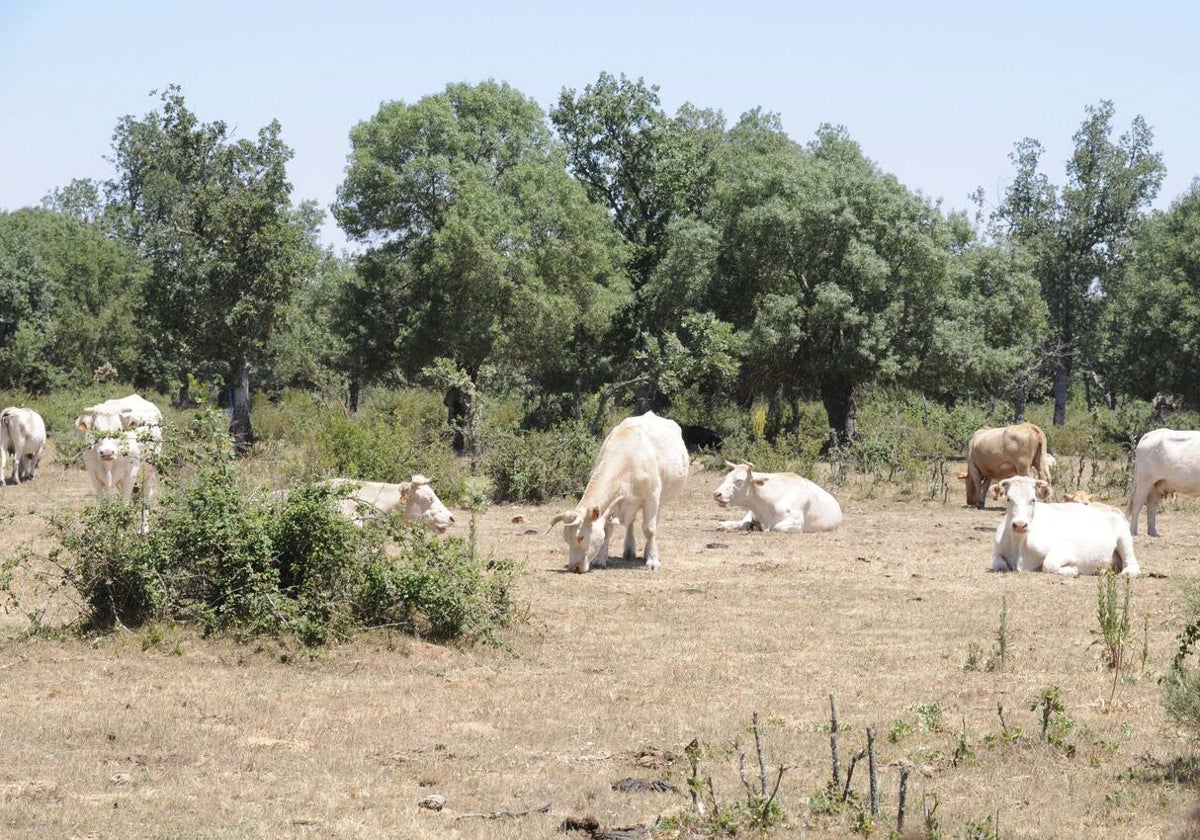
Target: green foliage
{"x":233,"y":559}
{"x":1112,"y":613}
{"x":112,"y":567}
{"x":1181,"y":685}
{"x":537,"y":467}
{"x":441,"y":590}
{"x":1057,"y":725}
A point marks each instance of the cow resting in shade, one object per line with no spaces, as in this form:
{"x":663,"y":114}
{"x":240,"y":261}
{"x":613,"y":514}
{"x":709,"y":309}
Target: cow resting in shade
{"x":1068,"y":539}
{"x":995,"y":454}
{"x":415,"y":498}
{"x":23,"y":436}
{"x":776,"y":501}
{"x":642,"y":464}
{"x":1165,"y":461}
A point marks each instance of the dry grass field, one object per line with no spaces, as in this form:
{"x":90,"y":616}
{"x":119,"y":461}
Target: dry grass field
{"x":163,"y":734}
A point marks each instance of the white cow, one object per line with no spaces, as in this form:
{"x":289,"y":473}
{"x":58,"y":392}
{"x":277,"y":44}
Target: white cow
{"x":641,"y":465}
{"x":123,"y":436}
{"x":1166,"y":461}
{"x":776,"y":501}
{"x":1068,"y":538}
{"x":415,"y":498}
{"x":23,"y":436}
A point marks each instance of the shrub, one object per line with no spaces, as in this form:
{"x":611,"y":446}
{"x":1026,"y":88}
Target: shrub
{"x":439,"y":589}
{"x":537,"y":467}
{"x":233,"y":559}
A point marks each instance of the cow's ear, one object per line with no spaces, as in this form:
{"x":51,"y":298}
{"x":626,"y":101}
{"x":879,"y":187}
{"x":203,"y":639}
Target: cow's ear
{"x":593,"y":513}
{"x":1042,"y":489}
{"x":998,"y":490}
{"x":759,"y":482}
{"x":83,"y":423}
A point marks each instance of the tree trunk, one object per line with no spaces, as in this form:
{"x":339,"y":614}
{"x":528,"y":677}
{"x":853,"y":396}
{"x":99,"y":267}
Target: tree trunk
{"x":239,"y":421}
{"x":185,"y":393}
{"x":842,"y":412}
{"x":355,"y":389}
{"x":458,"y":415}
{"x":1062,"y":380}
{"x":1019,"y":403}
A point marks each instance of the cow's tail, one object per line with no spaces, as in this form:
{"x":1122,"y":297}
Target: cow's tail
{"x":1043,"y":450}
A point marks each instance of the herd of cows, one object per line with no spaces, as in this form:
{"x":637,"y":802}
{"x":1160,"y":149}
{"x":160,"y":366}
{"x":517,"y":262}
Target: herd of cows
{"x":643,"y":464}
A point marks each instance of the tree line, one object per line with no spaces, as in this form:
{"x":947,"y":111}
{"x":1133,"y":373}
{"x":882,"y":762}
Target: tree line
{"x":604,"y":251}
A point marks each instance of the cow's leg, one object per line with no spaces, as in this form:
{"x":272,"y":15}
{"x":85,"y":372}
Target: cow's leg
{"x":1061,"y":562}
{"x":1128,"y":564}
{"x":972,"y":486}
{"x":1152,"y":499}
{"x":1000,"y":564}
{"x":746,"y":523}
{"x":793,"y":524}
{"x":650,"y":531}
{"x":630,"y":552}
{"x":1138,"y":499}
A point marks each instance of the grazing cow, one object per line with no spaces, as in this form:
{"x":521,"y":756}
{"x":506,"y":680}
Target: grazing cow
{"x":1068,"y":539}
{"x":1166,"y":461}
{"x":641,"y":465}
{"x":994,"y":454}
{"x":23,"y":436}
{"x":696,"y":438}
{"x":123,"y":436}
{"x":776,"y":501}
{"x":416,"y":498}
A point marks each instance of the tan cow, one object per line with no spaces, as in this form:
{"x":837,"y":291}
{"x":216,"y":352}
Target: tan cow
{"x":1083,"y":497}
{"x":995,"y":454}
{"x":642,"y":464}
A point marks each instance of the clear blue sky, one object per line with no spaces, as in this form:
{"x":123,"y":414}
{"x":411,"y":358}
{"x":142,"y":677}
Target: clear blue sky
{"x":935,"y":92}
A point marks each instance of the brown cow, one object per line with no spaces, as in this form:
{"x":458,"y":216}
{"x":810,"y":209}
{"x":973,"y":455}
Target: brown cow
{"x":995,"y":454}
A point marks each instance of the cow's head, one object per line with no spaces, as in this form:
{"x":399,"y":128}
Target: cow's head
{"x":1020,"y":497}
{"x":737,"y":485}
{"x":423,"y":504}
{"x":583,"y":531}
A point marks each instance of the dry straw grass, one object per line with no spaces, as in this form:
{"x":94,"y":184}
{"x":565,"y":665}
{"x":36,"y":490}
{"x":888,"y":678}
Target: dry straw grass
{"x":164,"y":734}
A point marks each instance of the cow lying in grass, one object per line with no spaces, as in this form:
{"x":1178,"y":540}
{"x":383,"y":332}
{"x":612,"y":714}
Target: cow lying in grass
{"x":776,"y":501}
{"x":1067,"y":539}
{"x":415,"y":498}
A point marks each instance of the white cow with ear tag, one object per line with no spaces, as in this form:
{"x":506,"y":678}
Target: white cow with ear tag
{"x":1068,"y":539}
{"x":776,"y":501}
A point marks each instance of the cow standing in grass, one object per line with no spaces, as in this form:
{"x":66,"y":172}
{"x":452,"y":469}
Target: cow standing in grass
{"x":23,"y":436}
{"x":642,"y":464}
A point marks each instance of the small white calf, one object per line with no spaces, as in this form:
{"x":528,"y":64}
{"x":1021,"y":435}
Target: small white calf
{"x":1068,"y":539}
{"x":416,"y":498}
{"x":776,"y":501}
{"x":23,"y":436}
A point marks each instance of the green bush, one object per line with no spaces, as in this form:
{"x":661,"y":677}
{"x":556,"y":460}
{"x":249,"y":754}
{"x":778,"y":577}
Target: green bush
{"x":440,"y":589}
{"x":537,"y":467}
{"x":233,"y":559}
